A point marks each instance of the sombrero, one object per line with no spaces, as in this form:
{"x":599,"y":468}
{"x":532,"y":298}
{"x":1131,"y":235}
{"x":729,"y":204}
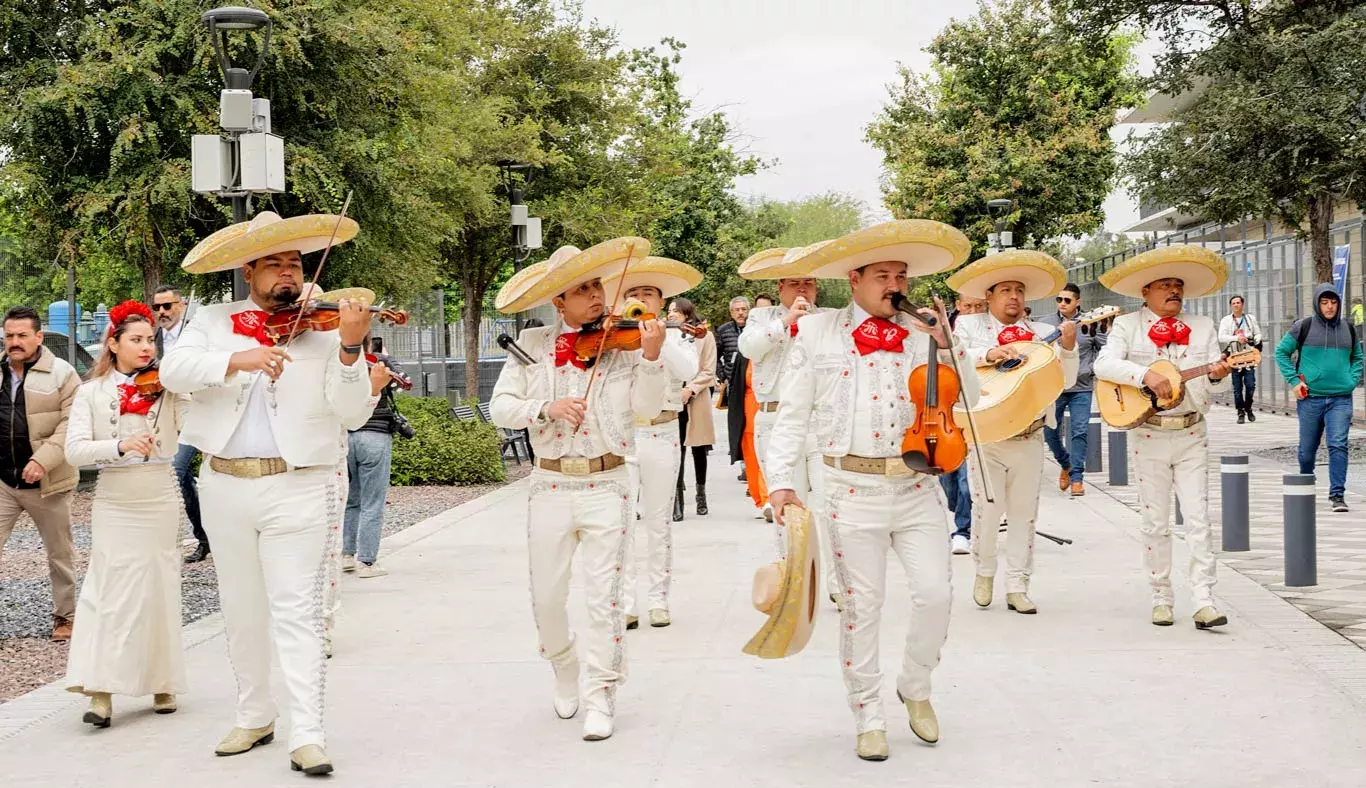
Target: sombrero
{"x":786,"y":591}
{"x":925,"y":246}
{"x":266,"y":234}
{"x":754,"y":267}
{"x":566,"y":269}
{"x":362,"y":294}
{"x":670,"y":276}
{"x":1040,"y":274}
{"x":1202,"y":271}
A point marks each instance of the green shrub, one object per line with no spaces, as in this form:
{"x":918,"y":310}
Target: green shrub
{"x":444,"y":451}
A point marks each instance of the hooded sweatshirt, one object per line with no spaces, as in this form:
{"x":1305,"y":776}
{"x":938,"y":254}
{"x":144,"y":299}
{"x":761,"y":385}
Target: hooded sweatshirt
{"x":1329,"y":361}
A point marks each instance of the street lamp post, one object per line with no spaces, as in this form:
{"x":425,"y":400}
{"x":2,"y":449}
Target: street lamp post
{"x":246,"y":158}
{"x":526,"y":229}
{"x":1000,"y":239}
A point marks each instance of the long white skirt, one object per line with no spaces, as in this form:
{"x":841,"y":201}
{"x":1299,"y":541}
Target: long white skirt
{"x":126,"y":640}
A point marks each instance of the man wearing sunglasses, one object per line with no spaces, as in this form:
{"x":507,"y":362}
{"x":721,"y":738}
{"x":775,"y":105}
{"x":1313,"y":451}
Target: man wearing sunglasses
{"x":168,"y":307}
{"x":1076,"y":400}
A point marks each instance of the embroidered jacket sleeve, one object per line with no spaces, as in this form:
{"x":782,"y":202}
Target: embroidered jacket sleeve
{"x":797,"y":393}
{"x":1199,"y":389}
{"x":81,"y":446}
{"x":347,"y":388}
{"x":512,"y":407}
{"x":1113,"y":362}
{"x":648,"y":384}
{"x":764,"y":333}
{"x":972,"y":335}
{"x":192,"y":365}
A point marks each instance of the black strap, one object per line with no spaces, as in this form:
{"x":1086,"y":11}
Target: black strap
{"x":1303,"y":334}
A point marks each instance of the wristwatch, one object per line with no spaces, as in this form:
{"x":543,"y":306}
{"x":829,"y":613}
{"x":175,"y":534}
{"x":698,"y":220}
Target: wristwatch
{"x":356,"y":349}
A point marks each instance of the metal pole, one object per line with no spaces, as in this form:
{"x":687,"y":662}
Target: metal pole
{"x":1301,"y":563}
{"x":1233,"y":492}
{"x":71,"y":313}
{"x":239,"y":215}
{"x":1093,"y":461}
{"x":1119,"y":459}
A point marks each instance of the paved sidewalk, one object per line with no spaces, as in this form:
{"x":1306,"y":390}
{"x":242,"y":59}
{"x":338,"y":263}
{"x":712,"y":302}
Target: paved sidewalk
{"x":436,"y":682}
{"x":1339,"y":599}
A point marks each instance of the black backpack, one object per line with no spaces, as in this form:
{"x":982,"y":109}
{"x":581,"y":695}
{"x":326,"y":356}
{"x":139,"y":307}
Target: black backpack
{"x":1303,"y":333}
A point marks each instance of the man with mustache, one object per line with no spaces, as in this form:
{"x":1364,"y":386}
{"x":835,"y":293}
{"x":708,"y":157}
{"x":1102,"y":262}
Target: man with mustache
{"x":1171,"y":449}
{"x":169,"y":308}
{"x":268,"y":418}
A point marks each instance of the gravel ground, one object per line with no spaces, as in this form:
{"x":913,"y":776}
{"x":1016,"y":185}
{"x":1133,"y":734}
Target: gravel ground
{"x":29,"y":660}
{"x":1356,"y":452}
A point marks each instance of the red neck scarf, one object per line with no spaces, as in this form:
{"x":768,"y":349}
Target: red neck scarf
{"x":564,"y":351}
{"x":130,"y":401}
{"x":1015,"y":333}
{"x":876,"y":334}
{"x":1169,"y":331}
{"x":252,"y":323}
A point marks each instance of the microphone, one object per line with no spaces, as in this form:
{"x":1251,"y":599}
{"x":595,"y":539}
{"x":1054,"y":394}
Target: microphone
{"x":510,"y":345}
{"x":903,"y":304}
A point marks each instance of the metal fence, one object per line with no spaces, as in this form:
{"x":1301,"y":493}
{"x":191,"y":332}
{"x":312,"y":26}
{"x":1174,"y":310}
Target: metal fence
{"x":1273,"y":272}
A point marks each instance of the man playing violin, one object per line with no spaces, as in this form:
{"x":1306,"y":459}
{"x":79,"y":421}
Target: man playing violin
{"x":268,"y":419}
{"x":1170,"y":449}
{"x":581,"y":415}
{"x":656,"y":460}
{"x":846,"y":383}
{"x":1011,"y":468}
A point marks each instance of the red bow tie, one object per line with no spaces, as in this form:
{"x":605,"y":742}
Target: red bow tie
{"x":1014,"y":334}
{"x":1169,"y":331}
{"x":130,"y":401}
{"x":252,"y":323}
{"x":876,"y":334}
{"x":564,"y":351}
{"x":792,"y":330}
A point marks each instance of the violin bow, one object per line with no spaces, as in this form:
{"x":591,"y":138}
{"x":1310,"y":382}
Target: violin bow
{"x":963,"y":398}
{"x":606,"y":329}
{"x":318,"y":272}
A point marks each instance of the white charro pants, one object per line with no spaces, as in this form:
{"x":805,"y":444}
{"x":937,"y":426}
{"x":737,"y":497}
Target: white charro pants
{"x":270,"y":548}
{"x":1015,"y":469}
{"x":1165,"y":459}
{"x":654,"y":475}
{"x":807,"y":479}
{"x":565,"y":513}
{"x":868,"y":515}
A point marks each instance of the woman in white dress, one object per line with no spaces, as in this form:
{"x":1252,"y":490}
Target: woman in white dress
{"x":127,"y":635}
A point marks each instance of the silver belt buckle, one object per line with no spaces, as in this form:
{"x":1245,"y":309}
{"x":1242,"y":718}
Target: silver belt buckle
{"x":574,"y":466}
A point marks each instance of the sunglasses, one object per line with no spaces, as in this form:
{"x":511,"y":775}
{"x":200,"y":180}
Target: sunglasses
{"x":1062,"y":300}
{"x":159,"y":307}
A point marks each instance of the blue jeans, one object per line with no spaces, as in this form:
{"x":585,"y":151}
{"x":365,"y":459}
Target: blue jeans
{"x":960,"y":500}
{"x":1333,"y":415}
{"x":189,"y":491}
{"x":1244,"y":383}
{"x":367,"y":464}
{"x":1078,"y":404}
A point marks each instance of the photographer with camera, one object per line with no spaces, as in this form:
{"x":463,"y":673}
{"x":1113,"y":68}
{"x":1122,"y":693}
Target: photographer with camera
{"x":367,"y":460}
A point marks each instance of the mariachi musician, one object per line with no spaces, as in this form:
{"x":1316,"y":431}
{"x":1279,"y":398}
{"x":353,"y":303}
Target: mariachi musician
{"x":1014,"y":466}
{"x":1171,"y":448}
{"x":845,"y":387}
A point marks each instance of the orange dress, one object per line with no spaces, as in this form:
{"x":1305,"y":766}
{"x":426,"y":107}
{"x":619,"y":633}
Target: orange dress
{"x":758,"y":489}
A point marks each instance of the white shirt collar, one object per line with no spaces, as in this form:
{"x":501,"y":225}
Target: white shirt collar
{"x":174,"y":331}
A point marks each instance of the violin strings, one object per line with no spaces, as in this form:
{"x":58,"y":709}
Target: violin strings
{"x":606,"y":329}
{"x":318,"y":272}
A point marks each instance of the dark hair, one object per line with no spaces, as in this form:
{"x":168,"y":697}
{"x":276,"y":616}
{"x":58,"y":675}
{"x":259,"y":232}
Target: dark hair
{"x":766,"y":297}
{"x":1029,"y":311}
{"x":1071,"y":287}
{"x":1240,"y":298}
{"x":105,"y":363}
{"x":687,"y":310}
{"x":376,"y":344}
{"x":168,"y":289}
{"x":25,"y":312}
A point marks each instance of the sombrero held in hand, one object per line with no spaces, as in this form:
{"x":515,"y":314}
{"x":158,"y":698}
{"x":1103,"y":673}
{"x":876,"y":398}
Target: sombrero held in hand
{"x":786,"y":591}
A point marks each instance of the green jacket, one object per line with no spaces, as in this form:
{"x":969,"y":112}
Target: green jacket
{"x":1329,"y":361}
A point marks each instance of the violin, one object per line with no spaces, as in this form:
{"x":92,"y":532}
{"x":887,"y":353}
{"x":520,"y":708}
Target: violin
{"x":147,"y":381}
{"x":404,"y":382}
{"x":934,"y":444}
{"x":283,"y":325}
{"x":623,"y":333}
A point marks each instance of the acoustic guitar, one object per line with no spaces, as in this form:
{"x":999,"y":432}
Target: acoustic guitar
{"x":1014,"y":391}
{"x":1125,"y":407}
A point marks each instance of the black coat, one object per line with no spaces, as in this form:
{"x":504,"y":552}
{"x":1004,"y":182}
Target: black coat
{"x":735,"y":407}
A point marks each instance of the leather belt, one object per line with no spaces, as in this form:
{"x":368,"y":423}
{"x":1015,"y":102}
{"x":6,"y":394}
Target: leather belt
{"x":249,"y":467}
{"x":875,"y":466}
{"x":581,"y":466}
{"x":768,"y":407}
{"x":1184,"y":421}
{"x":1028,"y":431}
{"x":663,"y":418}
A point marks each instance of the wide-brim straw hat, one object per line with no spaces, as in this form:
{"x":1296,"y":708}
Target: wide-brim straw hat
{"x":266,"y":234}
{"x":754,"y":267}
{"x":362,"y":294}
{"x":670,"y":277}
{"x":925,"y":246}
{"x":786,"y":591}
{"x":1201,"y":270}
{"x":566,"y":269}
{"x":1040,"y":274}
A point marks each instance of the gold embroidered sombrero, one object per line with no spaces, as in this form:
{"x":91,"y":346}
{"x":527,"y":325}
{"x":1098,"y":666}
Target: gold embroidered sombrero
{"x":786,"y":591}
{"x":670,"y":276}
{"x":1202,"y":271}
{"x":925,"y":246}
{"x":362,"y":294}
{"x":566,"y":269}
{"x":266,"y":234}
{"x":757,"y":263}
{"x":1040,"y":274}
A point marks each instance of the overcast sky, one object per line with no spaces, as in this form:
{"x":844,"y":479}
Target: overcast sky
{"x":801,"y":78}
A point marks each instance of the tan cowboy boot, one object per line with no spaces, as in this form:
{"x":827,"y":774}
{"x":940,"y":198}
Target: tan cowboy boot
{"x":101,"y":710}
{"x":924,"y":722}
{"x":982,"y":590}
{"x":872,"y":746}
{"x":1021,"y":603}
{"x":633,"y":622}
{"x":240,"y":740}
{"x":1208,"y":617}
{"x":1063,"y":478}
{"x":1162,"y":615}
{"x":659,"y":617}
{"x":163,"y":703}
{"x":310,"y":759}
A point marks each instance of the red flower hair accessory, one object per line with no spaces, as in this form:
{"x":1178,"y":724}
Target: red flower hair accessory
{"x":121,"y":312}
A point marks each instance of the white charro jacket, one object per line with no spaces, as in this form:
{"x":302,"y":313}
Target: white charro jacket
{"x":819,"y":394}
{"x":96,"y":426}
{"x":978,"y":334}
{"x":766,"y":343}
{"x":1129,"y":351}
{"x":315,"y":397}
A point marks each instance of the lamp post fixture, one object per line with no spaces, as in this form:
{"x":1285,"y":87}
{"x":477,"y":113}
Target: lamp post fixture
{"x":246,"y":158}
{"x":526,"y":229}
{"x":1001,"y":238}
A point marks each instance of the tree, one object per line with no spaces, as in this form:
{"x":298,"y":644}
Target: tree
{"x":1273,"y":127}
{"x":1017,"y":105}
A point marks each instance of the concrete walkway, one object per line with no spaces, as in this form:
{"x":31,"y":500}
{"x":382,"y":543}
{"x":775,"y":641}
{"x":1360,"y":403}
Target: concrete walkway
{"x":436,"y":682}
